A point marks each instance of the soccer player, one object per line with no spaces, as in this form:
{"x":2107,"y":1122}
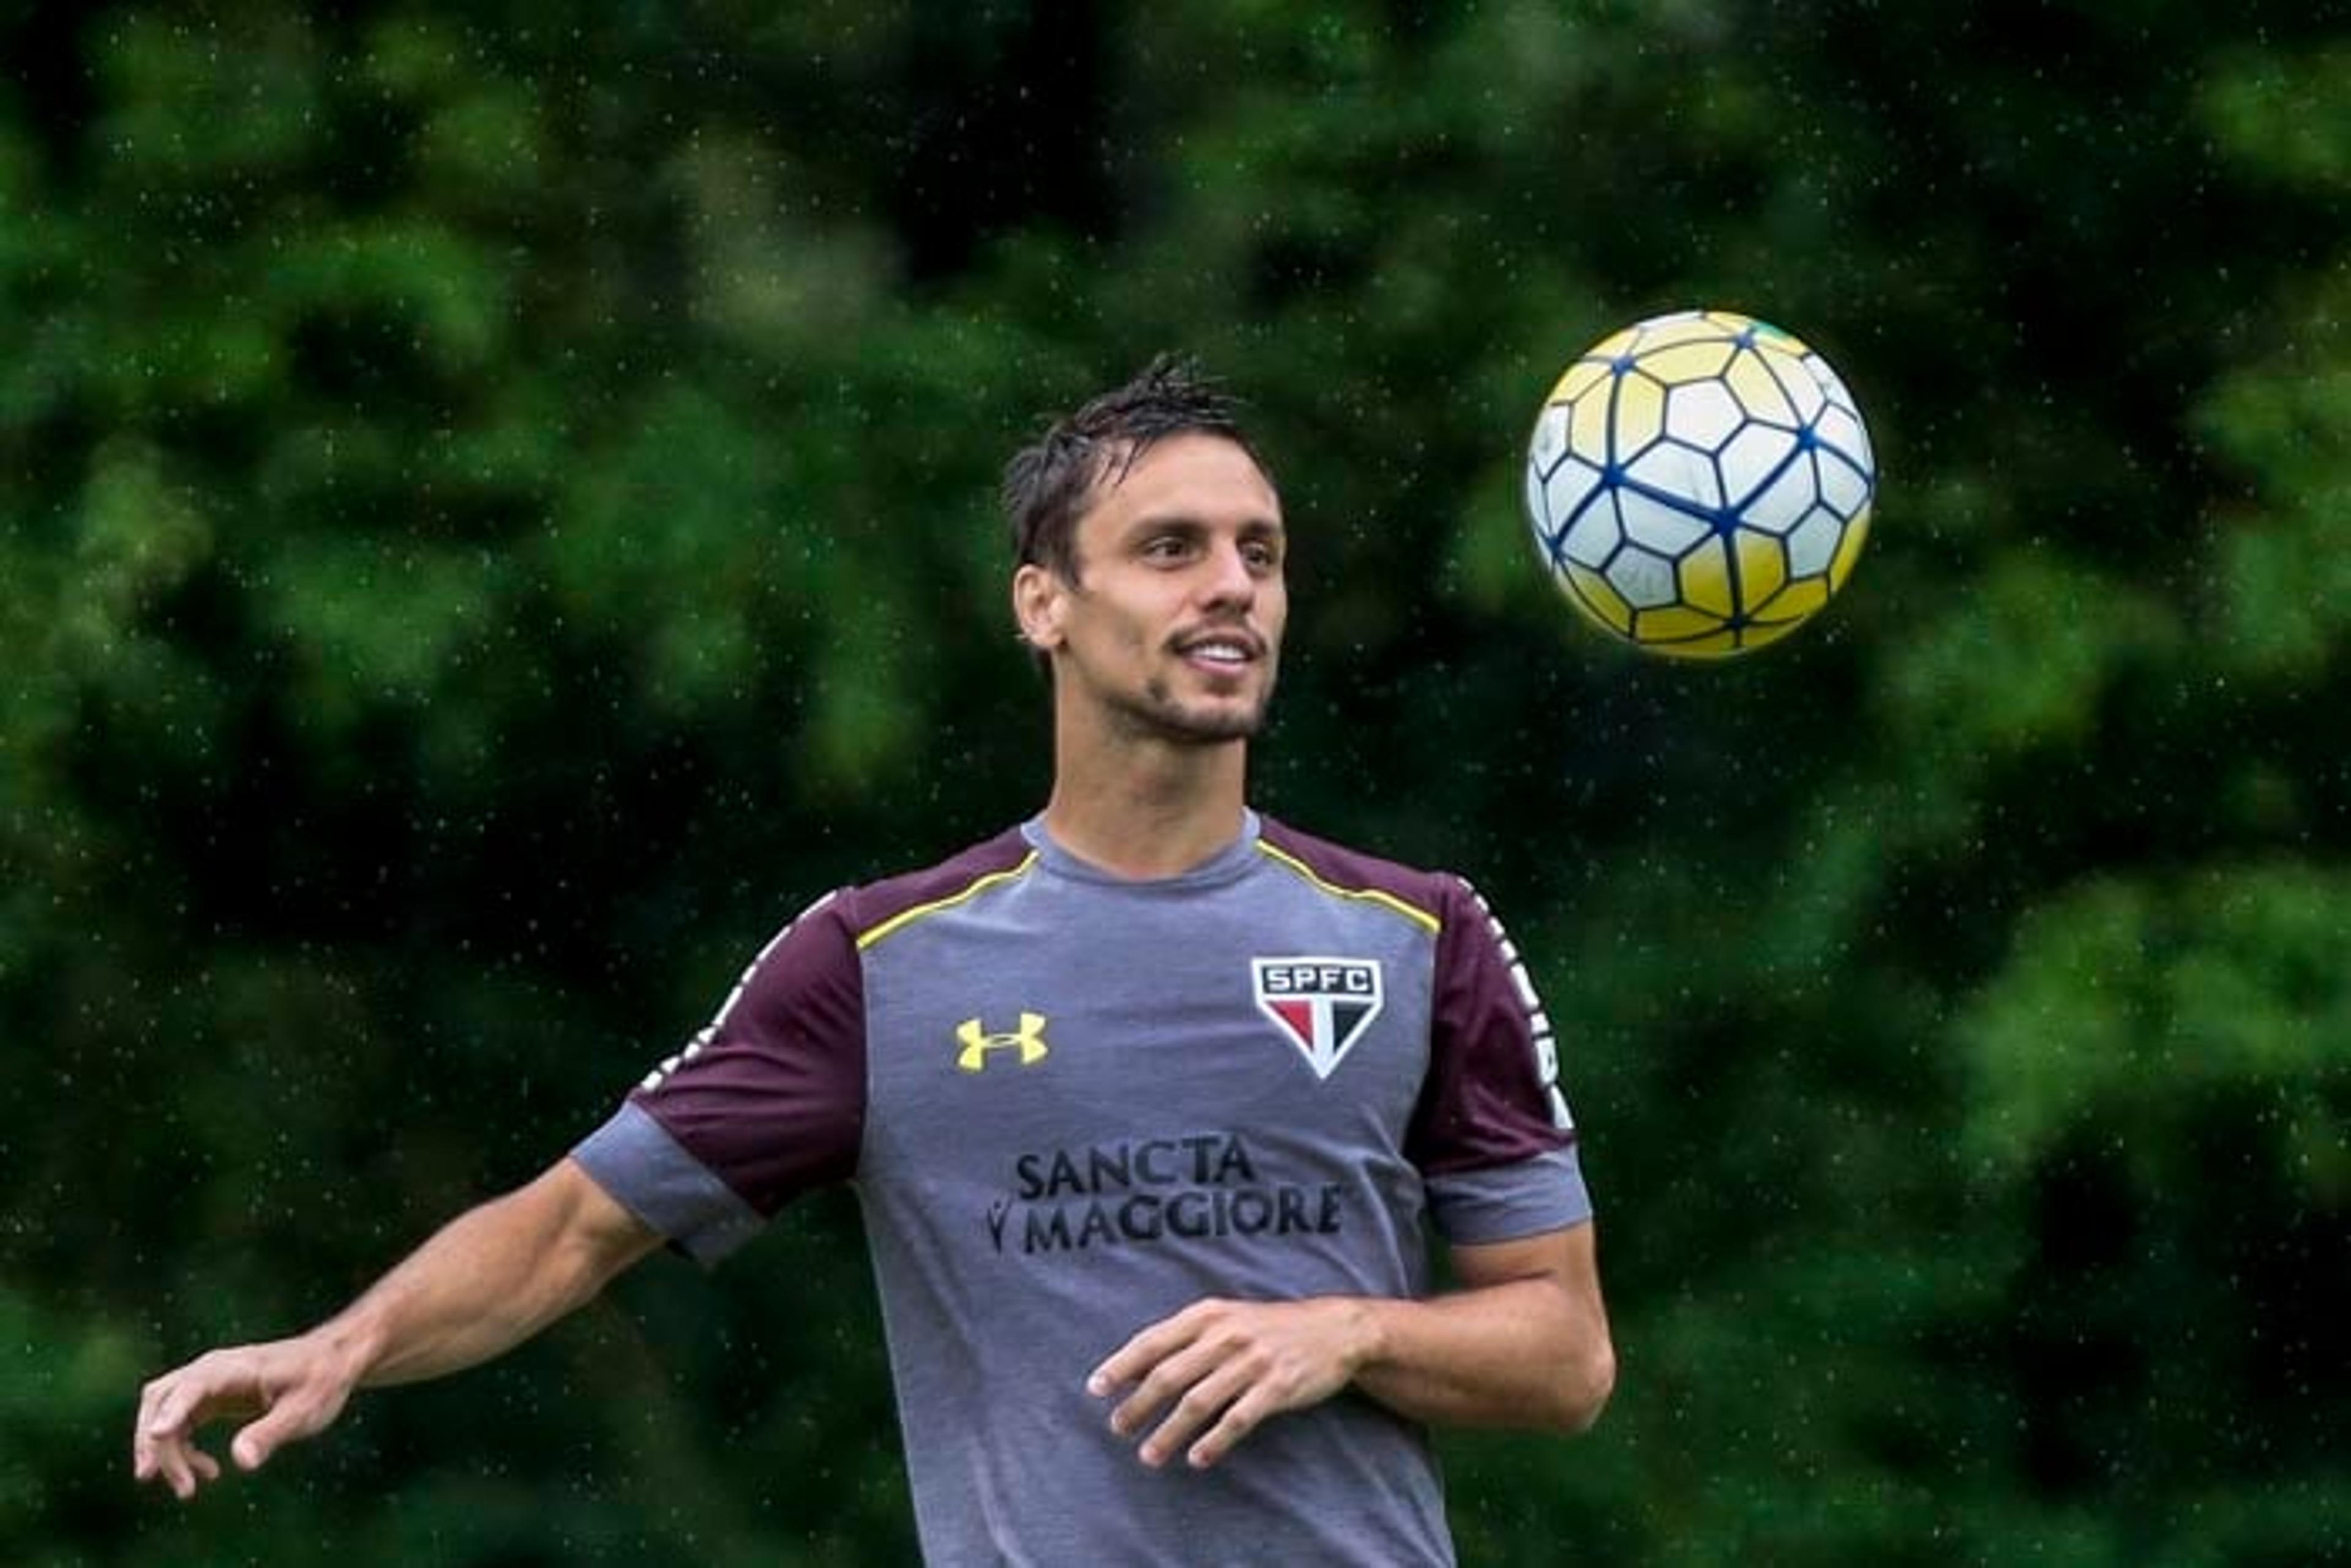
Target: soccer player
{"x":1154,"y":1107}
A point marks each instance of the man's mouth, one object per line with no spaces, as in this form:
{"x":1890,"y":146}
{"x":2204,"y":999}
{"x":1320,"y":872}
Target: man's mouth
{"x":1225,"y":650}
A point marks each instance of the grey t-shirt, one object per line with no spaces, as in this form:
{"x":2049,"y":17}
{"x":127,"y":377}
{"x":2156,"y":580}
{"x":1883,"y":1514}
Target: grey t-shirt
{"x":1072,"y":1105}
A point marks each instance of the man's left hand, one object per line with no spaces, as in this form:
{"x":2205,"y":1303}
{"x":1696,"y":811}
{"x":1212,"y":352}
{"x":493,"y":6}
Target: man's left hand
{"x":1219,"y":1368}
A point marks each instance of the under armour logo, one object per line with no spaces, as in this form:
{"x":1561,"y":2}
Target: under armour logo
{"x":1029,"y":1040}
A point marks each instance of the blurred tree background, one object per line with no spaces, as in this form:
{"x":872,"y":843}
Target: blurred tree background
{"x":496,"y":513}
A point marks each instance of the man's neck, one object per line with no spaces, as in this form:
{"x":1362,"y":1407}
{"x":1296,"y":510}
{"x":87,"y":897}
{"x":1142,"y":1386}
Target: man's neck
{"x":1158,"y":812}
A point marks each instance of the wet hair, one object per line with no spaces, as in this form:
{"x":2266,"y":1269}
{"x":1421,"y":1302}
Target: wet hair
{"x":1050,"y":483}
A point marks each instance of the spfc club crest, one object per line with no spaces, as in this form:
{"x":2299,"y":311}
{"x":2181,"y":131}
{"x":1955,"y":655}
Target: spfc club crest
{"x":1323,"y":1006}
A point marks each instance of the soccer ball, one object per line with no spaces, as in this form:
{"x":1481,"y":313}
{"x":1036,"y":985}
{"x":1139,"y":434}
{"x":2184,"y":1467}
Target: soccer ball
{"x":1700,"y":483}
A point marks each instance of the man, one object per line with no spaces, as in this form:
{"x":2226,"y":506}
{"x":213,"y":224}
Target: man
{"x":1152,"y":1106}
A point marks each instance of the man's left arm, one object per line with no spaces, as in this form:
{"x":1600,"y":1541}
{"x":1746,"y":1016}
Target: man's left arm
{"x":1523,"y":1342}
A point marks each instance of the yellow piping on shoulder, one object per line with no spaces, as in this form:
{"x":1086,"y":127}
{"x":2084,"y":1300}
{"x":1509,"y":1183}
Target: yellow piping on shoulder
{"x":1412,"y":912}
{"x":906,"y":917}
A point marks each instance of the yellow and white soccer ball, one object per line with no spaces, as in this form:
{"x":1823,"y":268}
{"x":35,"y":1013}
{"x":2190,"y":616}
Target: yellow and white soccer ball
{"x":1700,"y":483}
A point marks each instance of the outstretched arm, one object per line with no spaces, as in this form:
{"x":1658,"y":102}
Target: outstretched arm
{"x":485,"y":1283}
{"x":1523,"y":1344}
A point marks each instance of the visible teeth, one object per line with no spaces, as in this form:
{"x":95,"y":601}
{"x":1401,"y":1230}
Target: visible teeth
{"x":1221,"y":653}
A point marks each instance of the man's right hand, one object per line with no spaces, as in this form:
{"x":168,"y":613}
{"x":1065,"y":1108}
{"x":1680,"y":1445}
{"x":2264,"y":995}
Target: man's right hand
{"x":483,"y":1283}
{"x":295,"y":1387}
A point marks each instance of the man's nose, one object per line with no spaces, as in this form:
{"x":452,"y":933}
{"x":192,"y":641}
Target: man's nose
{"x":1230,"y":581}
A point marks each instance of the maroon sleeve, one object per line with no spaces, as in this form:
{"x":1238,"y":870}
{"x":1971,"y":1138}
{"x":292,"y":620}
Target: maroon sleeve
{"x":770,"y":1097}
{"x":1492,"y":1094}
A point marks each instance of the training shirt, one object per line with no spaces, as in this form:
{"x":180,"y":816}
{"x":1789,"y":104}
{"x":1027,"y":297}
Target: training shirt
{"x":1071,"y":1104}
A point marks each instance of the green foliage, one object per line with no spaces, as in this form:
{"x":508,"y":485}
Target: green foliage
{"x":2280,"y":586}
{"x":2136,"y":1013}
{"x":61,"y":1390}
{"x":498,"y":513}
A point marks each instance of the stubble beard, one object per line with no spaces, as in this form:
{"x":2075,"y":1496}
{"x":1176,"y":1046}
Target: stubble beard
{"x":1158,"y":714}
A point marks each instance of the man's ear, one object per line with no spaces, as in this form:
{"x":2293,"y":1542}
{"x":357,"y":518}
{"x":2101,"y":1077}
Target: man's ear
{"x":1039,"y":599}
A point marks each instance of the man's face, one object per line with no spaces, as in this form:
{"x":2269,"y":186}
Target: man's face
{"x":1173,"y":625}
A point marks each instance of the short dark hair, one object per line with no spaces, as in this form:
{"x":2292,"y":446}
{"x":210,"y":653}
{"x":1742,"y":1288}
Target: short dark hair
{"x":1048,"y":484}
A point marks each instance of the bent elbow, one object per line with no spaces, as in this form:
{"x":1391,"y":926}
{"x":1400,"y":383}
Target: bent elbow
{"x":1584,"y":1389}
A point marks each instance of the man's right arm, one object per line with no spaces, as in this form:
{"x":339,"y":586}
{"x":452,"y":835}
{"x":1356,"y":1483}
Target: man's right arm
{"x":485,"y":1283}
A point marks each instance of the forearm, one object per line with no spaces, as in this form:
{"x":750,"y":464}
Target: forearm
{"x":1525,"y":1343}
{"x":482,"y":1284}
{"x":485,"y":1281}
{"x":1524,"y":1353}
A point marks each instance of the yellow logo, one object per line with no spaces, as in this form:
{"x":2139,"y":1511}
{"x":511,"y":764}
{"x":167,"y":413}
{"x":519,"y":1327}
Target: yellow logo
{"x":1029,"y":1040}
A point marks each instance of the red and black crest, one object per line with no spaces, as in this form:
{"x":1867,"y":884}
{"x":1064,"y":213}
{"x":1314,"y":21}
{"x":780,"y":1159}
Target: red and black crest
{"x":1323,"y":1006}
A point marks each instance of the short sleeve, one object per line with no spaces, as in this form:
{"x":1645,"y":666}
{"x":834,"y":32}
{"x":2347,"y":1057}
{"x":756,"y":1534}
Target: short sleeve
{"x":766,"y":1101}
{"x":1492,"y":1135}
